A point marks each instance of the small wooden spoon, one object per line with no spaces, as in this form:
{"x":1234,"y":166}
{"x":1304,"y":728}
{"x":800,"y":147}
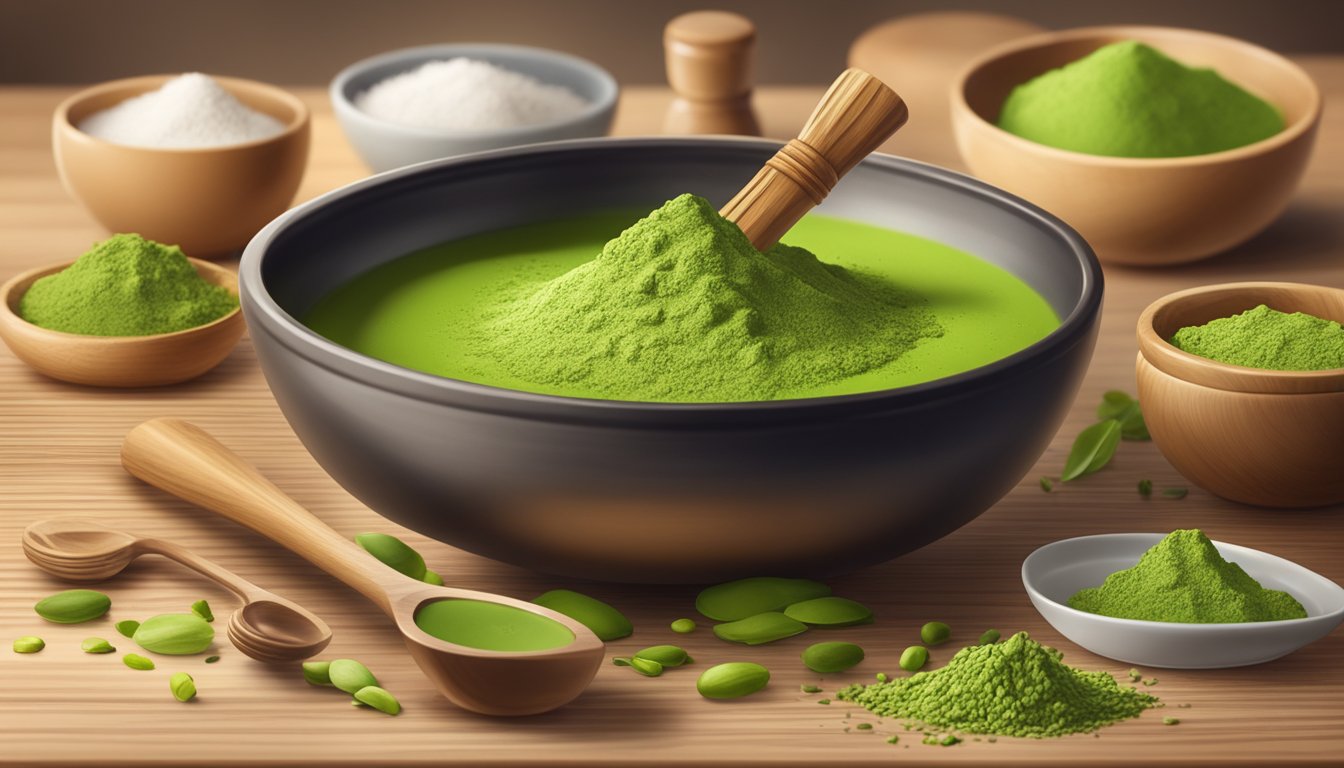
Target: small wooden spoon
{"x":185,"y":461}
{"x":267,"y":627}
{"x":855,"y":116}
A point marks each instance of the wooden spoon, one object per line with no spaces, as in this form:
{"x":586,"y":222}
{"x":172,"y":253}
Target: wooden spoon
{"x":185,"y":461}
{"x":856,"y":115}
{"x":267,"y":627}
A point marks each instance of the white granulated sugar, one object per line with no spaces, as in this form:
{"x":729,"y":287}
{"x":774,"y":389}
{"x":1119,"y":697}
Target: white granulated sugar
{"x":190,"y":111}
{"x":467,"y":95}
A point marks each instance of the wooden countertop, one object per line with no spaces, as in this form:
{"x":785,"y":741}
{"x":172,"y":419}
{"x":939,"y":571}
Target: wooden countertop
{"x":58,"y":456}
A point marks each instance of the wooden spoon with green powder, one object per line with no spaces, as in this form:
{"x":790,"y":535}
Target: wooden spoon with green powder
{"x":490,"y":654}
{"x":856,"y":115}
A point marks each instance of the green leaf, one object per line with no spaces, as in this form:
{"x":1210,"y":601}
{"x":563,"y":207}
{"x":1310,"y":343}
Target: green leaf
{"x":1175,"y":493}
{"x":1133,"y":427}
{"x":1124,"y":409}
{"x":1114,"y":405}
{"x":1092,"y":449}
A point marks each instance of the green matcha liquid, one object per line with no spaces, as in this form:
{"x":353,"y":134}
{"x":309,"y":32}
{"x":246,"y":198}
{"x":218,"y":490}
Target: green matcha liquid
{"x":491,"y":626}
{"x":425,"y":310}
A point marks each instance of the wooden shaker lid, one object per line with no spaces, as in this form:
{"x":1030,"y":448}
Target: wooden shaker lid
{"x":709,"y":55}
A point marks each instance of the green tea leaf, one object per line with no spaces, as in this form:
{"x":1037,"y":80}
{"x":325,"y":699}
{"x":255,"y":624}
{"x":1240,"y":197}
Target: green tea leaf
{"x":761,"y":628}
{"x":1145,"y":488}
{"x":1124,"y":409}
{"x":1047,"y":485}
{"x":1092,"y":449}
{"x":1114,"y":405}
{"x":748,"y":597}
{"x":1175,"y":493}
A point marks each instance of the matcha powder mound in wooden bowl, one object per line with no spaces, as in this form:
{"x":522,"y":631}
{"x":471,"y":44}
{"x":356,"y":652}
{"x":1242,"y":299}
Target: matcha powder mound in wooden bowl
{"x":1014,"y":688}
{"x":126,"y":286}
{"x":681,"y":308}
{"x":1128,"y":99}
{"x":1267,"y":338}
{"x":1184,"y":579}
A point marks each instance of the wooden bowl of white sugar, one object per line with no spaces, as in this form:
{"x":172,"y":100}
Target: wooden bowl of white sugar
{"x":190,"y":160}
{"x":437,"y":101}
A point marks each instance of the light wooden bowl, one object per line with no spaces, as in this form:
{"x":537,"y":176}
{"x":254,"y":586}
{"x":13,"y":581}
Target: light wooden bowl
{"x":1143,"y":211}
{"x":210,"y":201}
{"x":1270,"y":438}
{"x":120,"y":361}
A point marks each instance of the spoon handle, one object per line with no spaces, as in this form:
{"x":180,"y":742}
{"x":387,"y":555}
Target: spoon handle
{"x":240,"y":587}
{"x":184,"y":460}
{"x":856,"y":115}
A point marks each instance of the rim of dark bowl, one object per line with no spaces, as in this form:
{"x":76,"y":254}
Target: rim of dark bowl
{"x":301,"y":340}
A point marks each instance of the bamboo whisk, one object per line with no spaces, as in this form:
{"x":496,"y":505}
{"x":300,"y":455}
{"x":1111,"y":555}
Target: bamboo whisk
{"x":856,"y":115}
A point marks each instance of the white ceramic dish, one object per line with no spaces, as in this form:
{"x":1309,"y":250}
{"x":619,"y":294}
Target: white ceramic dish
{"x":1056,"y":571}
{"x":385,"y":145}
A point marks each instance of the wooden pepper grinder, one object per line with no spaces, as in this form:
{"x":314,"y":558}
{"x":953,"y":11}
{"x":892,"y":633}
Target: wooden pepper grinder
{"x":709,"y":66}
{"x":857,"y":114}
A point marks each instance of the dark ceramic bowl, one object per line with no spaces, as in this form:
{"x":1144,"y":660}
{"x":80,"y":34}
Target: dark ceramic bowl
{"x":645,"y":492}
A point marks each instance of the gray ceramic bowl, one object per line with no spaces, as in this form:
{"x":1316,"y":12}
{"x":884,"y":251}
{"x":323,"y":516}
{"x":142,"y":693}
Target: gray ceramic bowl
{"x":384,"y":145}
{"x":662,"y":492}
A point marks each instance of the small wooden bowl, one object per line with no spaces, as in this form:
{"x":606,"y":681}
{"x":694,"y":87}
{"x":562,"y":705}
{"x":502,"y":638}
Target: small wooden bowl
{"x":1269,"y":438}
{"x":120,"y":361}
{"x":1143,"y":211}
{"x":209,"y":201}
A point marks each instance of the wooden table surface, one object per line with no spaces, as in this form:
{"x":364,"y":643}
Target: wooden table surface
{"x":58,"y":456}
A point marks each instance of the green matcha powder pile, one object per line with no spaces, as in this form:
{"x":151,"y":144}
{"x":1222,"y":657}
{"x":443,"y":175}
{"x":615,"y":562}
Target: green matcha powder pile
{"x":1128,"y":99}
{"x":126,"y":286}
{"x":681,"y":307}
{"x":1183,"y":578}
{"x":1267,"y":338}
{"x":1014,"y":688}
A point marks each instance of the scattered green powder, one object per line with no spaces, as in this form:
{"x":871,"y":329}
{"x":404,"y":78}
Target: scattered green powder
{"x":1014,"y":688}
{"x":681,"y":307}
{"x":1184,"y":579}
{"x":126,"y":286}
{"x":1128,"y":99}
{"x":1267,"y":338}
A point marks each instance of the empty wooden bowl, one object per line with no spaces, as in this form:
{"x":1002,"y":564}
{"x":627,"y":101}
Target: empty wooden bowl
{"x":1143,"y":211}
{"x":120,"y":361}
{"x":211,"y":200}
{"x":1269,"y":438}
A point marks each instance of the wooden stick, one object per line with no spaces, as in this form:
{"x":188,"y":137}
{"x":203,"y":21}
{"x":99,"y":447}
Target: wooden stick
{"x":857,"y":114}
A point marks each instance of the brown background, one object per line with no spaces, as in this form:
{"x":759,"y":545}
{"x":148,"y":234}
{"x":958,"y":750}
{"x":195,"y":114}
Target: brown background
{"x":308,"y":41}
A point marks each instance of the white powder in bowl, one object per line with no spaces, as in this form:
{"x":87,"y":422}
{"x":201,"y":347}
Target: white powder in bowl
{"x":467,"y":95}
{"x":189,"y":111}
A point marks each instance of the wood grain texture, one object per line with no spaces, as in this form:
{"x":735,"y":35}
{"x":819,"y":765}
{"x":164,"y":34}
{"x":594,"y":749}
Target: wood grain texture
{"x":58,"y":455}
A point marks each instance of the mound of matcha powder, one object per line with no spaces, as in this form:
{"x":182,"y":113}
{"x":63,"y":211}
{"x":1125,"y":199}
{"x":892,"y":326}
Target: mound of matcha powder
{"x":1184,"y":579}
{"x":1014,"y":688}
{"x":1128,"y":99}
{"x":1267,"y":338}
{"x":126,"y":286}
{"x":681,"y":307}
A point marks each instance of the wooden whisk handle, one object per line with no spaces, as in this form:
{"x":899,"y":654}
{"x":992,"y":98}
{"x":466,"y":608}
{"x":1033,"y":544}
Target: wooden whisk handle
{"x":856,"y":115}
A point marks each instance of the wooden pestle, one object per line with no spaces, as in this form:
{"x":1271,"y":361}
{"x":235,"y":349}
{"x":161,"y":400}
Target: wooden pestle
{"x":857,"y":114}
{"x":709,"y":66}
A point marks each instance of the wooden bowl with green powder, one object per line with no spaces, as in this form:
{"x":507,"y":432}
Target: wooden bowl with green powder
{"x":129,"y":313}
{"x":1243,"y":389}
{"x":1125,"y":133}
